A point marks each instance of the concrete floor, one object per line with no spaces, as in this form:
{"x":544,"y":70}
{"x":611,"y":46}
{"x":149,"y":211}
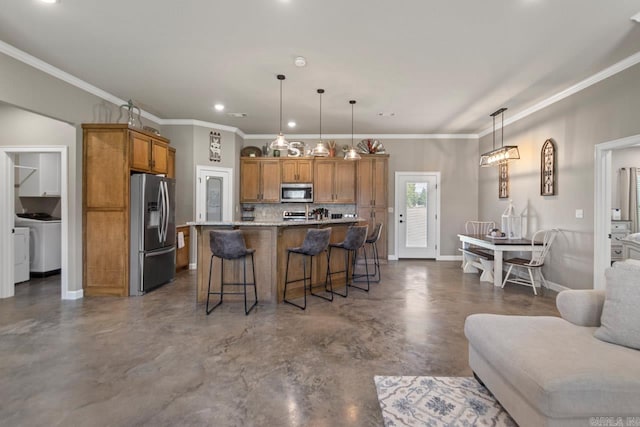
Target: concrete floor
{"x":158,"y":360}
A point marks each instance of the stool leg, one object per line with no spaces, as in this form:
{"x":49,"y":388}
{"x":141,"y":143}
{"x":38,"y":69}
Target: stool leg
{"x":330,"y":297}
{"x":366,"y":271}
{"x":286,"y":282}
{"x":255,"y":285}
{"x":255,"y":289}
{"x":209,"y":310}
{"x":346,"y":269}
{"x":376,"y":273}
{"x":244,"y":283}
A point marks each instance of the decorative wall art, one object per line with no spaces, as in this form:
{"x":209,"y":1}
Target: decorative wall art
{"x":503,"y":180}
{"x":548,"y":168}
{"x":215,"y":146}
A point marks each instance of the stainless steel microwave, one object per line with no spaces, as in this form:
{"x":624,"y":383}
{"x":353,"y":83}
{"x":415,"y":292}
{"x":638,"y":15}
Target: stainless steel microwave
{"x":296,"y":193}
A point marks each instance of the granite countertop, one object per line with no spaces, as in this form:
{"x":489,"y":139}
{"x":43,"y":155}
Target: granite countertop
{"x":275,"y":223}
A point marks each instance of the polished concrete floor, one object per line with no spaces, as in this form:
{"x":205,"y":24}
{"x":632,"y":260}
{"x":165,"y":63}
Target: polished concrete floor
{"x":158,"y":360}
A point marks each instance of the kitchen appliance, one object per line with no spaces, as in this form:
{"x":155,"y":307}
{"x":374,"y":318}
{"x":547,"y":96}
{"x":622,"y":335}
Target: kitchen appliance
{"x":45,"y":242}
{"x":21,"y":254}
{"x":153,"y":232}
{"x":296,"y":216}
{"x":296,"y":193}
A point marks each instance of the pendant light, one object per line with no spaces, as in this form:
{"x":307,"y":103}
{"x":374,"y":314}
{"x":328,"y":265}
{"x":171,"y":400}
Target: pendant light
{"x":503,"y":154}
{"x":320,"y":149}
{"x":280,"y":143}
{"x":352,"y":154}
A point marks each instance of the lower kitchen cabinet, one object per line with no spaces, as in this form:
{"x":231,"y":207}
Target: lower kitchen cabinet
{"x":374,"y":216}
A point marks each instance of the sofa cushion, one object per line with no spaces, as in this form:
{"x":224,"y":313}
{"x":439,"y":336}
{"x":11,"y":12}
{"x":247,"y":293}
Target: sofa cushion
{"x":560,"y":368}
{"x":620,"y":321}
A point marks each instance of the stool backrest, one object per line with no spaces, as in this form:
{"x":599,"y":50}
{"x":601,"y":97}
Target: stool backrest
{"x":356,"y":235}
{"x":546,"y":237}
{"x":316,"y":240}
{"x":227,"y":244}
{"x":375,"y":234}
{"x":479,"y":227}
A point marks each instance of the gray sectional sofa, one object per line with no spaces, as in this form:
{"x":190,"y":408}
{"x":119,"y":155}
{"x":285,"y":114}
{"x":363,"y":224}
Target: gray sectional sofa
{"x":550,"y":371}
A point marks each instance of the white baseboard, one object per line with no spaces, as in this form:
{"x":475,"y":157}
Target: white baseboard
{"x":392,"y":257}
{"x":193,"y":266}
{"x":73,"y":295}
{"x":449,"y":258}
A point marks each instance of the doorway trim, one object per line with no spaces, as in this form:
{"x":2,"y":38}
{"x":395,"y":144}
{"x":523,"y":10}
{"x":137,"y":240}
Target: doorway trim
{"x":7,"y":209}
{"x":602,"y":208}
{"x":397,"y":207}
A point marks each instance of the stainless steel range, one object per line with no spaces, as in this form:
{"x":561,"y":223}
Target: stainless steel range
{"x":295,"y":216}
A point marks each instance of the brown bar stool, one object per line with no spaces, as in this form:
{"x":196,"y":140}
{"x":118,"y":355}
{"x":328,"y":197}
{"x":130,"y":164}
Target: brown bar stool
{"x":315,"y":242}
{"x":229,"y":244}
{"x":372,"y":240}
{"x":354,"y":240}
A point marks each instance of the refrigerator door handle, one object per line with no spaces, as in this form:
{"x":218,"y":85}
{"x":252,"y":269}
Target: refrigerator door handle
{"x":167,"y":212}
{"x":159,"y":206}
{"x":158,"y":253}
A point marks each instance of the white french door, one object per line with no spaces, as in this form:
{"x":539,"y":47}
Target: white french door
{"x":214,"y":195}
{"x":416,"y":217}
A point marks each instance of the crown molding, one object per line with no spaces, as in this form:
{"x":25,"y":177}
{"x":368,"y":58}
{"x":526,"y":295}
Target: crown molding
{"x":202,"y":123}
{"x":572,"y":90}
{"x":369,"y":136}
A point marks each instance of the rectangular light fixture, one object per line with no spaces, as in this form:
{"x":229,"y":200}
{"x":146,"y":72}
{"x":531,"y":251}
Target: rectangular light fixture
{"x":499,"y":155}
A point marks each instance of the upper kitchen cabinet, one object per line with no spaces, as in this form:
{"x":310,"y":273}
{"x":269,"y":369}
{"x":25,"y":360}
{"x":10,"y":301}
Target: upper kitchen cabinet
{"x":334,"y":181}
{"x":372,"y":181}
{"x":171,"y":166}
{"x":259,"y":180}
{"x":40,"y":175}
{"x":297,"y":170}
{"x":149,"y":153}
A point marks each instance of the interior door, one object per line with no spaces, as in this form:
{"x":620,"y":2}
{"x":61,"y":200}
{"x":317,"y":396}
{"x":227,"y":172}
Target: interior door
{"x":214,"y":194}
{"x":416,"y":204}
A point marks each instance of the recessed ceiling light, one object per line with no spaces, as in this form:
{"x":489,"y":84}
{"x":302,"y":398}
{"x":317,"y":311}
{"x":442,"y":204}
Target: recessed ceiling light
{"x":50,"y":1}
{"x":300,"y":61}
{"x":237,"y":115}
{"x":388,"y":114}
{"x":291,"y":124}
{"x":219,"y":107}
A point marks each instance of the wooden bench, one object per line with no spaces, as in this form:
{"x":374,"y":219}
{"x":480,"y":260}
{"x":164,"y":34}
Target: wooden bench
{"x":477,"y":259}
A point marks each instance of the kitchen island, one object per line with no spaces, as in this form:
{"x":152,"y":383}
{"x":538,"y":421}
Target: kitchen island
{"x":270,"y":239}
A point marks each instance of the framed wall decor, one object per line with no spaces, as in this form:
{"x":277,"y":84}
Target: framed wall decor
{"x":215,"y":146}
{"x":503,"y":180}
{"x":548,"y":168}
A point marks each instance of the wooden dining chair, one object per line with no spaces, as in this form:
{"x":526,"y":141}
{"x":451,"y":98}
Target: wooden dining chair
{"x":479,"y":227}
{"x":538,"y":254}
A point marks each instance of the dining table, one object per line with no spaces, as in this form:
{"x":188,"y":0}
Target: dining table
{"x":498,"y":245}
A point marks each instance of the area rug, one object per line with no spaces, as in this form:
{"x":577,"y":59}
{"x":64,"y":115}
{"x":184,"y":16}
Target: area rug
{"x":438,"y":401}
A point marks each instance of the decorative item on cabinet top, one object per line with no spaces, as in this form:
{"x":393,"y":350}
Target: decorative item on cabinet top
{"x":129,"y":107}
{"x":296,"y":149}
{"x":251,"y":151}
{"x":371,"y":146}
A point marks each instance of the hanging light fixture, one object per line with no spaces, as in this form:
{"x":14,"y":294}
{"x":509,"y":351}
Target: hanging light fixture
{"x":503,"y":154}
{"x":352,"y":154}
{"x":280,"y":143}
{"x":320,"y":149}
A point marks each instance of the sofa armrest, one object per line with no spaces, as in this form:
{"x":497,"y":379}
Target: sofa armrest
{"x":581,"y":307}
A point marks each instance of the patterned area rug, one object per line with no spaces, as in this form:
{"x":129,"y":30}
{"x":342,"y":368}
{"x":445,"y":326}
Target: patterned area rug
{"x":438,"y":401}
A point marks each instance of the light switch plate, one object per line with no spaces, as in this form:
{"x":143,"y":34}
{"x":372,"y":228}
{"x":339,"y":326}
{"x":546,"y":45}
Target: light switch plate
{"x":579,"y":213}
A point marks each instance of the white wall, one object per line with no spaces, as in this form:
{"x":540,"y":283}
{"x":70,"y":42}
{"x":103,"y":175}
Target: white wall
{"x":626,"y":158}
{"x":600,"y":113}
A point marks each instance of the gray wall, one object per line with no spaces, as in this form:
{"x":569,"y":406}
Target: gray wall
{"x":32,"y":90}
{"x":456,"y":159}
{"x":600,"y":113}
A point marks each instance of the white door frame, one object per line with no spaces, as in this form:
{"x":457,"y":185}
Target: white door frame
{"x":227,"y":193}
{"x":397,"y":208}
{"x":7,"y":213}
{"x":602,"y":210}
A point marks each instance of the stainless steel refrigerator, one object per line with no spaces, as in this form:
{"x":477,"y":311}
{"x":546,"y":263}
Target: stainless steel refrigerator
{"x":153,"y":232}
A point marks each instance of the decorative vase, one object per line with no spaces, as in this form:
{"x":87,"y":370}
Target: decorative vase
{"x":332,"y":152}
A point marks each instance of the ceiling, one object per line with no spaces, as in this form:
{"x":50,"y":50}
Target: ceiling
{"x":442,"y":66}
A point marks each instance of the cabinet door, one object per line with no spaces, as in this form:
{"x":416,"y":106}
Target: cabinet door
{"x":171,"y":163}
{"x":379,"y":181}
{"x":305,"y":170}
{"x":289,"y":171}
{"x":159,"y":157}
{"x":249,"y":181}
{"x":323,"y":181}
{"x":365,"y":182}
{"x":270,"y":181}
{"x":380,"y":216}
{"x":140,"y":152}
{"x":345,"y":181}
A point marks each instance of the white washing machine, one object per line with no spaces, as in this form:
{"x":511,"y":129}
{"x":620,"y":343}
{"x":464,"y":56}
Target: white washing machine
{"x":21,"y":254}
{"x":44,"y":244}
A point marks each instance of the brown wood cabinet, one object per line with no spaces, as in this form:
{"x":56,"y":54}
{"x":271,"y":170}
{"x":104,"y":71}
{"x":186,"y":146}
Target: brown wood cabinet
{"x":297,"y":170}
{"x":334,"y":181}
{"x":372,"y":195}
{"x":171,"y":166}
{"x":259,"y":180}
{"x":110,"y":153}
{"x":182,"y":254}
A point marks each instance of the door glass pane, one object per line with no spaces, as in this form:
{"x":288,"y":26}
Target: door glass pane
{"x":416,"y":229}
{"x":214,"y":198}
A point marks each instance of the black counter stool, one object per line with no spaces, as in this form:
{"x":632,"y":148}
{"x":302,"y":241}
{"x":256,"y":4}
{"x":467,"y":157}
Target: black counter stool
{"x":229,"y":244}
{"x":315,"y":242}
{"x":354,"y":240}
{"x":372,"y":240}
